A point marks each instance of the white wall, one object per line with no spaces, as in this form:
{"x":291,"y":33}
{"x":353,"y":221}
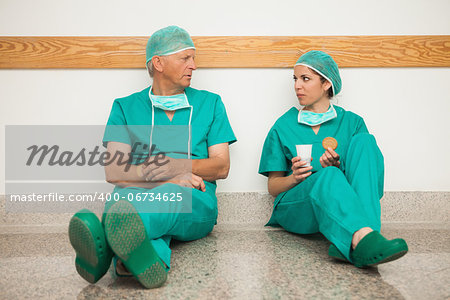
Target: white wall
{"x":406,"y":109}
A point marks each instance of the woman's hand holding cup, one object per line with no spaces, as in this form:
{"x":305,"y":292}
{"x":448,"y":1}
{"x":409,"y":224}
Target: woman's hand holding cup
{"x":299,"y":169}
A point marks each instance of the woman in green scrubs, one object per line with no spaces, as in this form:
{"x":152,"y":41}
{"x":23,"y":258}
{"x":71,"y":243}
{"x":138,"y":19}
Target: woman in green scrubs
{"x":339,"y":193}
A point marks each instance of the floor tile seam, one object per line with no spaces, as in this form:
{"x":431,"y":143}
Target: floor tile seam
{"x":221,"y":227}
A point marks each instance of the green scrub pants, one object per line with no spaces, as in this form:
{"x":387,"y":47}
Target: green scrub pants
{"x":162,"y":227}
{"x":338,"y":203}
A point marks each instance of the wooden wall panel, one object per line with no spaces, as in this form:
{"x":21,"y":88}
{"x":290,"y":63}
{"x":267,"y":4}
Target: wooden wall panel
{"x":226,"y":51}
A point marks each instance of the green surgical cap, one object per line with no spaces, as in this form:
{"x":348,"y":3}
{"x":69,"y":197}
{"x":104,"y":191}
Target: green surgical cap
{"x":323,"y":64}
{"x":167,"y":41}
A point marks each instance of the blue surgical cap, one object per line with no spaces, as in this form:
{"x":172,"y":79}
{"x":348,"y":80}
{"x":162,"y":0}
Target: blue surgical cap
{"x":323,"y":64}
{"x":167,"y":41}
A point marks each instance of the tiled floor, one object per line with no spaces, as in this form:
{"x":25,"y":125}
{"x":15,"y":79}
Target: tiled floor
{"x":236,"y":262}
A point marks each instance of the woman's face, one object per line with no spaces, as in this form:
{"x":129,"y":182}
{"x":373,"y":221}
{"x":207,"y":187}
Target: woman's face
{"x":308,"y":86}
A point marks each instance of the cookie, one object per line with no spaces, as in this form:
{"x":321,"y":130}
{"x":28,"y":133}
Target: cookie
{"x":329,"y":142}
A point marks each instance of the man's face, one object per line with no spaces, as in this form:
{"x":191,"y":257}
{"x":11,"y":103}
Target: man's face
{"x":178,"y":67}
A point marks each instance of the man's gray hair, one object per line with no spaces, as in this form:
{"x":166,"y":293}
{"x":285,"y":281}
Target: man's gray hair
{"x":150,"y":68}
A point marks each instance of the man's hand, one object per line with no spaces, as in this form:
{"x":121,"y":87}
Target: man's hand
{"x":330,"y":158}
{"x":166,"y":169}
{"x":189,"y":180}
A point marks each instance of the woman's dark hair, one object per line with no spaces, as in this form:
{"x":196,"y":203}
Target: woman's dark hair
{"x":323,"y":80}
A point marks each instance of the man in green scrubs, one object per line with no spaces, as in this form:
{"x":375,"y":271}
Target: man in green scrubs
{"x":339,"y":193}
{"x":157,"y":198}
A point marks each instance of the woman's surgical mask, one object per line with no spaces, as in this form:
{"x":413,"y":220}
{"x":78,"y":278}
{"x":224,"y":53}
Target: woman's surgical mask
{"x":313,"y":119}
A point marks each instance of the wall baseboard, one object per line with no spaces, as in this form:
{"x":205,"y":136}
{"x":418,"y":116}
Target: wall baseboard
{"x":254,"y":208}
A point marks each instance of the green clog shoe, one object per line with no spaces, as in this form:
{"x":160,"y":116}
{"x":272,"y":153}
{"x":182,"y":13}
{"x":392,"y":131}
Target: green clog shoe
{"x":375,"y":249}
{"x":128,"y":239}
{"x":88,"y":239}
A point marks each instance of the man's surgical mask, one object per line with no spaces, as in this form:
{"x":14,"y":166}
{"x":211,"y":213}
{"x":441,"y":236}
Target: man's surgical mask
{"x":173,"y":102}
{"x":313,"y":119}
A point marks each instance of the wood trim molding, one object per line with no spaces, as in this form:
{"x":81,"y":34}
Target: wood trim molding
{"x":29,"y":52}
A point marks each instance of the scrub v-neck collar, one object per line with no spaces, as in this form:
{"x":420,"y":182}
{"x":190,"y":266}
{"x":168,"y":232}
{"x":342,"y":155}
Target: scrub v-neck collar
{"x":163,"y":119}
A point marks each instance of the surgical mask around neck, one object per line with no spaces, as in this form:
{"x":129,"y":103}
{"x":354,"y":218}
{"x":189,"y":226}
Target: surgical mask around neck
{"x":173,"y":102}
{"x":313,"y":119}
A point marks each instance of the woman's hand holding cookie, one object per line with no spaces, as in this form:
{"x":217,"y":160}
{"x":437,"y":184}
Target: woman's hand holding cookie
{"x":330,"y":158}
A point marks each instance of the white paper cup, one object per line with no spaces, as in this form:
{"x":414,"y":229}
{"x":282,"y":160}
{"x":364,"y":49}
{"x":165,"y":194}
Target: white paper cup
{"x":304,"y":151}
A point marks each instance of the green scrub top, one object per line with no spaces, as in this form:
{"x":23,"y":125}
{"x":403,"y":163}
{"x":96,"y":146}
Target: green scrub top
{"x":209,"y":123}
{"x":279,"y":146}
